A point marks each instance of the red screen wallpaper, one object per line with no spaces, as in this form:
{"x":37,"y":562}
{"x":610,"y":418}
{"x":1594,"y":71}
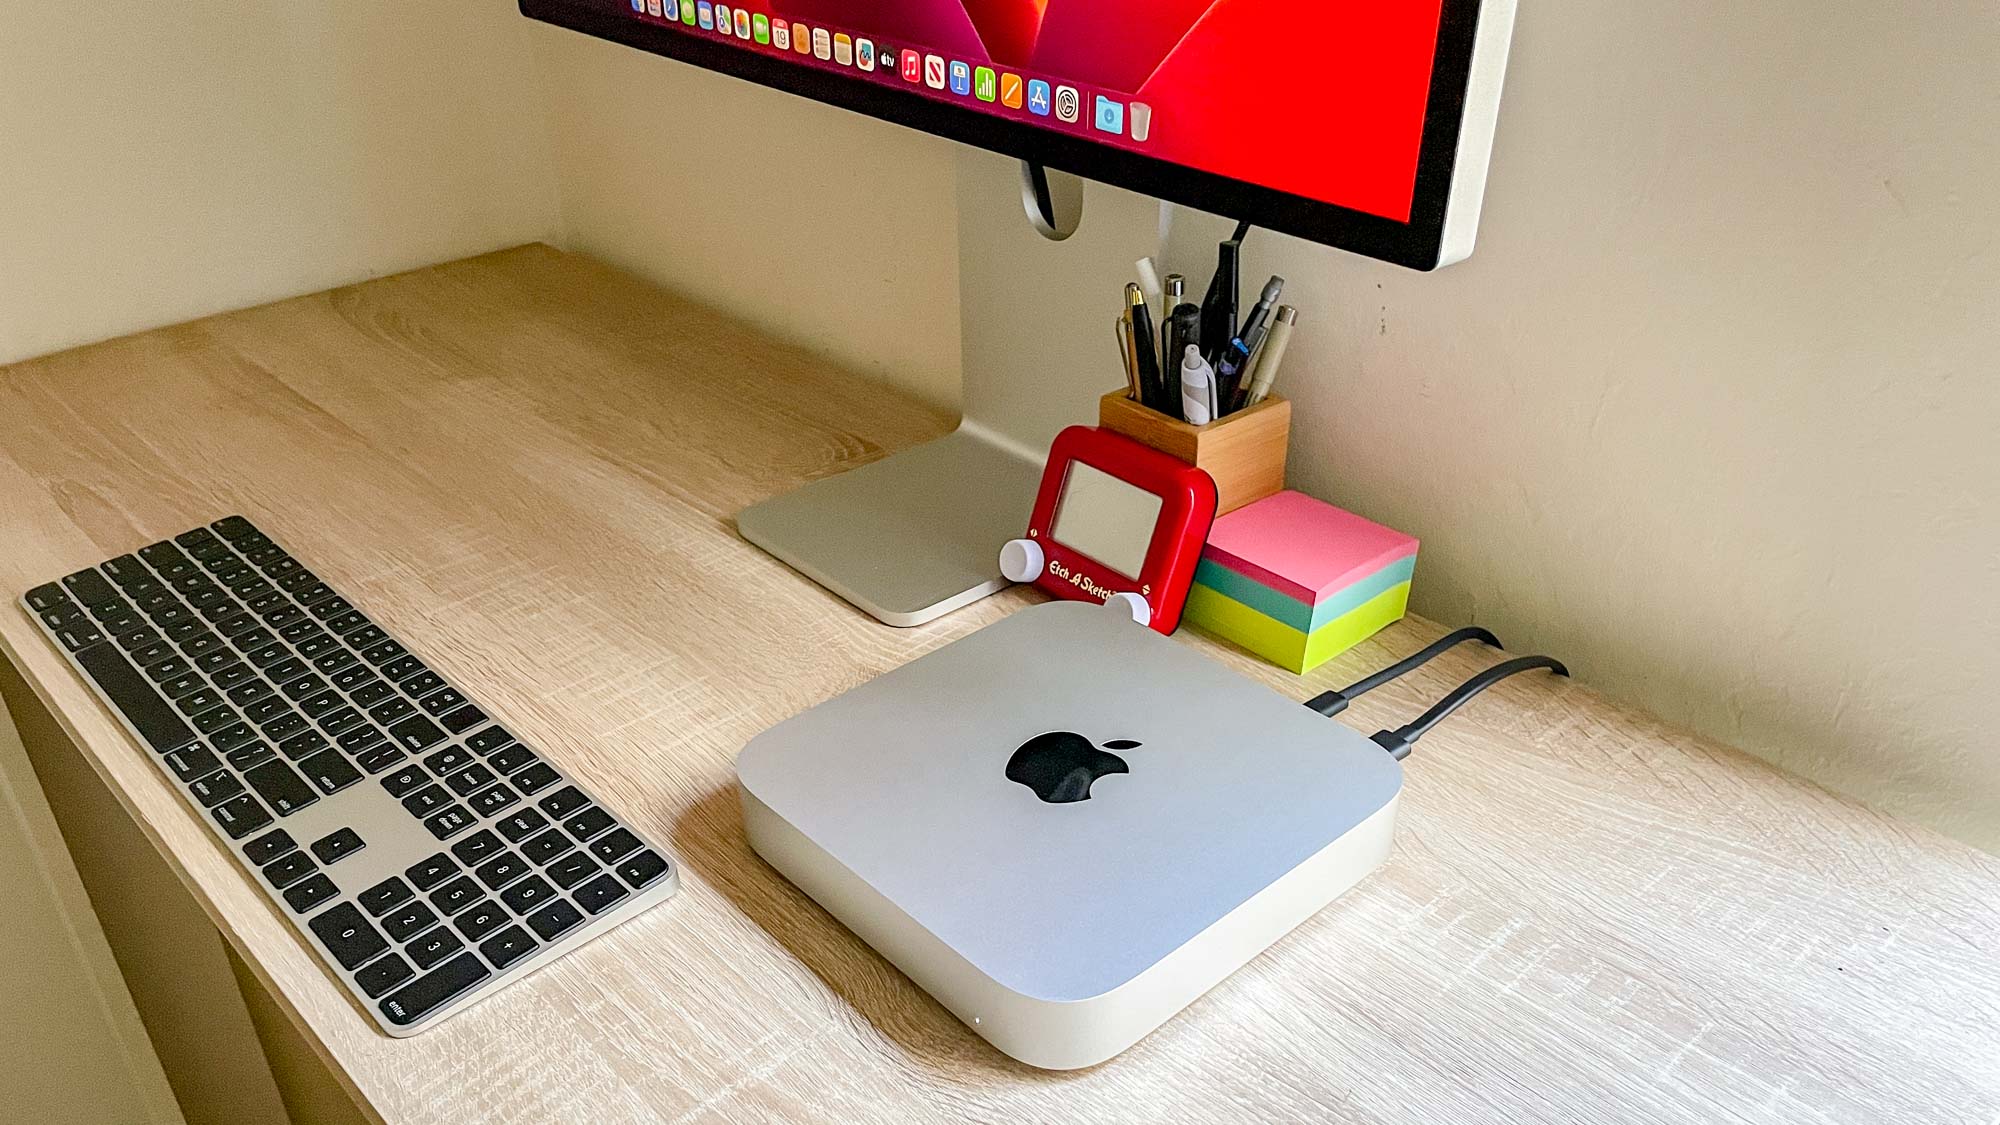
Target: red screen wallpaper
{"x":1319,"y":98}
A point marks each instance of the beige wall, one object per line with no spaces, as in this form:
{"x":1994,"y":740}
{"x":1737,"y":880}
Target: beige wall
{"x":164,"y":160}
{"x":833,"y":230}
{"x":1710,"y":413}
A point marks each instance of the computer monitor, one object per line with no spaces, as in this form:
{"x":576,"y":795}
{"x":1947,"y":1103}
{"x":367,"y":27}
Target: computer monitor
{"x":1362,"y":124}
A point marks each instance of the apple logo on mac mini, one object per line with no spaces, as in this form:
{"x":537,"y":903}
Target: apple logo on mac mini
{"x":1061,"y":766}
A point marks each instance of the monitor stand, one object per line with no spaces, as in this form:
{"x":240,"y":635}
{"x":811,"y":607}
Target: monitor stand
{"x":911,"y":537}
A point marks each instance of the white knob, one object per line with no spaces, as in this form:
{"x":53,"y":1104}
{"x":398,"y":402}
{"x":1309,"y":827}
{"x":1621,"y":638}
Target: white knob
{"x":1132,"y":604}
{"x":1021,"y":560}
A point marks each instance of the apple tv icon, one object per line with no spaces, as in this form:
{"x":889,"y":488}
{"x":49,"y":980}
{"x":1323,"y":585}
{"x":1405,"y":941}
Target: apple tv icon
{"x":1067,"y":827}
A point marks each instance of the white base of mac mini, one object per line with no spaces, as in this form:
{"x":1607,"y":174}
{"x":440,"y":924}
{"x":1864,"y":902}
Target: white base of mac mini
{"x":1067,"y":827}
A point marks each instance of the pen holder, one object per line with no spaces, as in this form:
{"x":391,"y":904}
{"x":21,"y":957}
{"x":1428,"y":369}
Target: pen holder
{"x":1244,"y":452}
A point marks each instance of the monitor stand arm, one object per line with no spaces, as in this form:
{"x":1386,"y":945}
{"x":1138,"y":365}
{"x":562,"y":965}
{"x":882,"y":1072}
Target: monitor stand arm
{"x":913,"y":536}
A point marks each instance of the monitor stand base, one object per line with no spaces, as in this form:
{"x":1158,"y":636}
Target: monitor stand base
{"x":909,"y":538}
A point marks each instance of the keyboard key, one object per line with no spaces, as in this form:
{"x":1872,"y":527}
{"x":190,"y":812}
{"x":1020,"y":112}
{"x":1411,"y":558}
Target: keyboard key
{"x":330,"y":607}
{"x":349,"y":679}
{"x":432,"y":871}
{"x":447,"y":760}
{"x":268,"y":655}
{"x":325,"y":703}
{"x":463,"y":719}
{"x":192,"y":762}
{"x":334,"y":661}
{"x":642,"y":869}
{"x":563,"y":802}
{"x":361,"y":738}
{"x":438,"y":702}
{"x":288,"y":869}
{"x":341,"y":721}
{"x":41,"y":599}
{"x":234,"y":675}
{"x":513,"y":758}
{"x":555,"y":920}
{"x":480,"y":920}
{"x":383,"y":975}
{"x":215,"y":662}
{"x":494,"y":801}
{"x":215,"y":788}
{"x":214,"y":719}
{"x":289,"y":726}
{"x":502,"y":870}
{"x":434,"y":945}
{"x":572,"y":869}
{"x":170,"y":668}
{"x":250,"y":754}
{"x":311,"y":894}
{"x":240,"y":816}
{"x":338,"y":846}
{"x":522,"y":824}
{"x":421,"y":684}
{"x":600,"y":894}
{"x":365,"y":637}
{"x":137,"y":639}
{"x":489,"y":740}
{"x":408,"y":920}
{"x":478,"y":848}
{"x":380,"y":758}
{"x":535,"y":778}
{"x":348,"y":936}
{"x":306,"y":593}
{"x":384,"y":652}
{"x":508,"y":946}
{"x":416,"y":734}
{"x":281,"y":786}
{"x":614,"y":846}
{"x":406,"y":780}
{"x":547,"y":846}
{"x":391,"y":710}
{"x":369,"y":695}
{"x":268,"y":847}
{"x":195,"y":703}
{"x":282,"y":616}
{"x":91,"y":588}
{"x":234,"y":528}
{"x":349,"y":622}
{"x":433,"y":990}
{"x":470,"y":780}
{"x":265,"y":710}
{"x":449,"y":822}
{"x":384,"y":896}
{"x":403,"y":668}
{"x":330,"y":771}
{"x":589,"y":823}
{"x":297,"y":580}
{"x":285,"y":671}
{"x":141,"y":705}
{"x":528,"y":895}
{"x":234,"y":627}
{"x":230,"y":737}
{"x":253,"y":640}
{"x":303,"y":745}
{"x":427,"y":800}
{"x":245,"y":693}
{"x":180,"y":685}
{"x":298,"y":631}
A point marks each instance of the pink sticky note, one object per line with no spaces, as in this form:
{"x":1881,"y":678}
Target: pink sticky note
{"x":1302,"y":547}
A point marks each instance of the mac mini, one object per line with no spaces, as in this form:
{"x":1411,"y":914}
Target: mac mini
{"x":1066,"y":827}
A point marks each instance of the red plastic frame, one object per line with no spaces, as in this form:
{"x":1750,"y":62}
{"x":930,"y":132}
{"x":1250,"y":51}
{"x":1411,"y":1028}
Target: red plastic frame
{"x":1187,"y":510}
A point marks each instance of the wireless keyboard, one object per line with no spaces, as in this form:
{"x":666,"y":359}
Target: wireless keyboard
{"x":426,"y":853}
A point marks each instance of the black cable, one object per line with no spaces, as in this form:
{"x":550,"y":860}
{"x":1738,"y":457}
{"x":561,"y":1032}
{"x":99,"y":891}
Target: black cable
{"x":1242,"y":230}
{"x":1334,"y":702}
{"x":1399,"y":741}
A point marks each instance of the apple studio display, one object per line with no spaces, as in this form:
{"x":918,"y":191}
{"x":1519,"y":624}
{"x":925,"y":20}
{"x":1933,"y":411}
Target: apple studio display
{"x":1106,"y":518}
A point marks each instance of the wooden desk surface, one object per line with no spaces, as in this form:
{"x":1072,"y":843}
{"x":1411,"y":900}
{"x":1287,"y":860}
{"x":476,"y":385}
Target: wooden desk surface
{"x":526,"y":464}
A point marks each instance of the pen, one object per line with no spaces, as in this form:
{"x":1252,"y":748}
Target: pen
{"x":1145,"y":348}
{"x":1197,"y":388}
{"x":1176,"y":294}
{"x":1122,"y":328}
{"x":1272,"y":357}
{"x":1149,"y":284}
{"x":1218,"y":310}
{"x":1183,"y":329}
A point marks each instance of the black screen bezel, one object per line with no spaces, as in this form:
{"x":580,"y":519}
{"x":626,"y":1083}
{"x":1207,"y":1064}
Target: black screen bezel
{"x":1416,"y":244}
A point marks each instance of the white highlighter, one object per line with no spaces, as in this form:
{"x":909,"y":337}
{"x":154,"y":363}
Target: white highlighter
{"x":1197,"y":388}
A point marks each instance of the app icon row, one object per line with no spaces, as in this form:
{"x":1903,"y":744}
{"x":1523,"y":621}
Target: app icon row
{"x":1064,"y":103}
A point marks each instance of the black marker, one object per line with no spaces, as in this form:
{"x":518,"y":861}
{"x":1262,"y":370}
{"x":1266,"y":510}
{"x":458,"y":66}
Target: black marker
{"x":1218,"y":310}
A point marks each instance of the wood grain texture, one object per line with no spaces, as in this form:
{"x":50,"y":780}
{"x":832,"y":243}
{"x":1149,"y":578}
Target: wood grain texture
{"x":1245,"y":451}
{"x":526,"y":464}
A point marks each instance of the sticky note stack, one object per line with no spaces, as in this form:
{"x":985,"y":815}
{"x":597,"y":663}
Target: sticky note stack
{"x":1299,"y":581}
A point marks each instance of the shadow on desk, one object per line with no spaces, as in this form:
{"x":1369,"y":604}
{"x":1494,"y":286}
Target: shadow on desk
{"x":710,"y":840}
